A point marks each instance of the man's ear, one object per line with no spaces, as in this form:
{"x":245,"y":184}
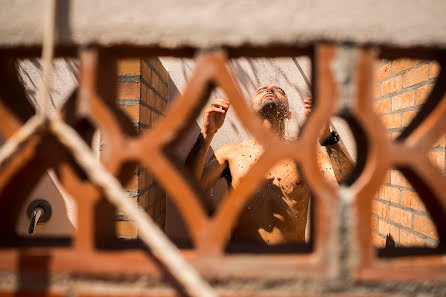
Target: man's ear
{"x":288,"y":115}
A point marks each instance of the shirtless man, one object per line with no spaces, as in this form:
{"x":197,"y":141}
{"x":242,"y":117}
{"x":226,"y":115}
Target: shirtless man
{"x":278,"y":211}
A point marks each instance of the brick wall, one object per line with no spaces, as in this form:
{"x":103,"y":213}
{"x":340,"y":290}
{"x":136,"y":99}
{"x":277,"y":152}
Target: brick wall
{"x":142,"y":94}
{"x":401,"y":87}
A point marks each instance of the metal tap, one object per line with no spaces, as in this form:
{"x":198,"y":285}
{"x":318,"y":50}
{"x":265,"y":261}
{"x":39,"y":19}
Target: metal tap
{"x":39,"y":211}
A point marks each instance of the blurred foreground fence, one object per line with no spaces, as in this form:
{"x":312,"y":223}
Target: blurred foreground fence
{"x":341,"y":261}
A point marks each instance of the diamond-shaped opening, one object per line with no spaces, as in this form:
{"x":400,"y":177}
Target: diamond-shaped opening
{"x":343,"y":147}
{"x":241,"y":153}
{"x":65,"y":79}
{"x":34,"y":192}
{"x":402,"y":86}
{"x":56,"y":211}
{"x":144,"y":191}
{"x":35,"y":189}
{"x":113,"y":228}
{"x":401,"y":222}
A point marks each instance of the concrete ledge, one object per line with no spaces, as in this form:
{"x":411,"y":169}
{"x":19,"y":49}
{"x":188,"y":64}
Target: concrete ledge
{"x":203,"y":23}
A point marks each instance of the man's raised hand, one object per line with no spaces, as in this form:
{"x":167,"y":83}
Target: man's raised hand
{"x":307,"y":104}
{"x":214,"y":116}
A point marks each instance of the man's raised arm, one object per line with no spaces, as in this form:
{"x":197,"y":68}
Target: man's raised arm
{"x":208,"y":174}
{"x":341,"y":163}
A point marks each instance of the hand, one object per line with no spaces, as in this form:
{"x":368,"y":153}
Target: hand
{"x":214,"y":116}
{"x":308,"y":103}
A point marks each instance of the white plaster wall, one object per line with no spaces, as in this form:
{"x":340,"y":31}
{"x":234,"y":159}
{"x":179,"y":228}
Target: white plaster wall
{"x":292,"y":74}
{"x":64,"y":80}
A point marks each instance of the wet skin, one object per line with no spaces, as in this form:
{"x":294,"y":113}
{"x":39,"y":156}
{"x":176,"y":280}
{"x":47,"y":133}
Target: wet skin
{"x":277,"y":213}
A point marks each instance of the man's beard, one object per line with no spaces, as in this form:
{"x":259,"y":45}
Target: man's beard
{"x":272,"y":109}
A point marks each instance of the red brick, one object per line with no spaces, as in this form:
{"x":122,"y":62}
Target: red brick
{"x":391,"y":85}
{"x":410,"y":239}
{"x":377,"y":90}
{"x":432,"y":244}
{"x":159,"y":104}
{"x":425,"y":226}
{"x":392,"y":121}
{"x":382,"y":106}
{"x":438,"y":159}
{"x":383,"y":72}
{"x":374,"y":224}
{"x":161,"y":221}
{"x":150,"y":212}
{"x":400,"y":216}
{"x":388,"y":229}
{"x":422,"y":93}
{"x":166,"y":76}
{"x":417,"y":61}
{"x":416,"y":76}
{"x":143,"y":201}
{"x":155,"y":82}
{"x":379,"y":209}
{"x":128,"y":90}
{"x":402,"y":64}
{"x":128,"y":66}
{"x":164,"y":108}
{"x":398,"y":179}
{"x":145,"y":115}
{"x":394,"y":135}
{"x":164,"y":91}
{"x":126,"y":229}
{"x":378,"y":241}
{"x":132,"y":111}
{"x":132,"y":185}
{"x":154,"y":120}
{"x":151,"y":98}
{"x":403,"y":100}
{"x":434,"y":69}
{"x":146,"y":73}
{"x":390,"y":194}
{"x":408,"y":116}
{"x":412,"y":200}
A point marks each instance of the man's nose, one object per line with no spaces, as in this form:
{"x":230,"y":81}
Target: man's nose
{"x":270,"y":90}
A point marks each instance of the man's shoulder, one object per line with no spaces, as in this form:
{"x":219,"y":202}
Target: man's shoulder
{"x":230,"y":150}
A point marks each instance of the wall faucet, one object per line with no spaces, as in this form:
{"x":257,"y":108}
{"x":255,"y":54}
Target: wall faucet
{"x":39,"y":211}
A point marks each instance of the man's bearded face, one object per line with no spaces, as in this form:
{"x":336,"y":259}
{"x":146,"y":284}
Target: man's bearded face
{"x":270,"y":101}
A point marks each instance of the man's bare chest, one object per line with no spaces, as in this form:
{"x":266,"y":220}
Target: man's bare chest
{"x":284,"y":175}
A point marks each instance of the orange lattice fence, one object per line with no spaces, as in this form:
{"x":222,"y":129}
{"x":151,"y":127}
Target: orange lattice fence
{"x":342,"y":259}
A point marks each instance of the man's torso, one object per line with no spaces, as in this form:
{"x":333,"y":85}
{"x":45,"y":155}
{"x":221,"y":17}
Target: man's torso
{"x":277,"y":213}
